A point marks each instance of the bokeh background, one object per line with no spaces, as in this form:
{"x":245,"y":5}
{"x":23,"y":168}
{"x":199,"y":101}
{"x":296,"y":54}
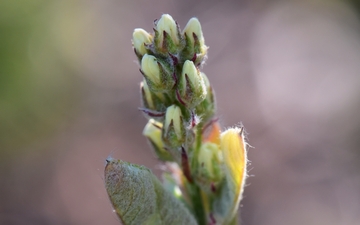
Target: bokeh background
{"x":288,"y":70}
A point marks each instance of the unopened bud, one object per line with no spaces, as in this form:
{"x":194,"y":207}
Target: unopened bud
{"x":155,"y":101}
{"x":191,"y":89}
{"x":141,"y":39}
{"x":195,"y":42}
{"x":157,"y":76}
{"x":209,"y":171}
{"x":150,"y":66}
{"x":193,"y":31}
{"x":206,"y":109}
{"x":174,"y":133}
{"x":167,"y":36}
{"x":152,"y":131}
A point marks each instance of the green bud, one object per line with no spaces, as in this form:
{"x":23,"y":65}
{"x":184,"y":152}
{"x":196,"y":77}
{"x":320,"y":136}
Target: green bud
{"x":209,"y":171}
{"x":193,"y":31}
{"x":191,"y":89}
{"x":167,"y":35}
{"x":206,"y":109}
{"x":152,"y":131}
{"x":155,"y":101}
{"x":151,"y":68}
{"x":156,"y":74}
{"x":141,"y":39}
{"x":174,"y":133}
{"x":195,"y":42}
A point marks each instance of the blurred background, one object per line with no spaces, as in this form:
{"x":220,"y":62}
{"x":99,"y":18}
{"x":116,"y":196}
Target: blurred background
{"x":69,"y":92}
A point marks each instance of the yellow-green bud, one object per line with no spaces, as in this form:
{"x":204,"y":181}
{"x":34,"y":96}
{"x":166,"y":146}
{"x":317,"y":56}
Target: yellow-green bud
{"x":209,"y":171}
{"x":173,"y":116}
{"x":154,"y":101}
{"x":191,"y":89}
{"x":206,"y":109}
{"x":157,"y":76}
{"x":193,"y":28}
{"x":152,"y":131}
{"x":167,"y":35}
{"x":174,"y":133}
{"x":150,"y":66}
{"x":195,"y":42}
{"x":141,"y":38}
{"x":167,"y":23}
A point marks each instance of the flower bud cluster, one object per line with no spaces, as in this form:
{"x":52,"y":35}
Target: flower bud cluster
{"x":179,"y":102}
{"x":174,"y":91}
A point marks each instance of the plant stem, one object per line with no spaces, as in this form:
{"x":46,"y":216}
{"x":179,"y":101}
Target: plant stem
{"x":197,"y":204}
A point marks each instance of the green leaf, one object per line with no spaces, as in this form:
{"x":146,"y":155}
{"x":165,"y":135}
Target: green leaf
{"x":139,"y":198}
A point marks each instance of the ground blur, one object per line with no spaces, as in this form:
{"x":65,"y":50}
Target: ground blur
{"x":289,"y":71}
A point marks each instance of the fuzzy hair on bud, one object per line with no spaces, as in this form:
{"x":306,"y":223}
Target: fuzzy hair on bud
{"x":167,"y":23}
{"x":191,"y":88}
{"x":193,"y":28}
{"x":173,"y":116}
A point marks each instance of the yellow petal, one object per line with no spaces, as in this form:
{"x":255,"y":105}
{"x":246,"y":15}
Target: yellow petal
{"x":233,"y":146}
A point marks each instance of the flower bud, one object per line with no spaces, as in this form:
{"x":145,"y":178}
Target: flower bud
{"x":174,"y":133}
{"x":152,"y":131}
{"x":195,"y":42}
{"x":206,"y":109}
{"x":151,"y":68}
{"x":193,"y":31}
{"x":191,"y":88}
{"x":167,"y":35}
{"x":233,"y":147}
{"x":141,"y":39}
{"x":156,"y":74}
{"x":155,"y":101}
{"x":209,"y":173}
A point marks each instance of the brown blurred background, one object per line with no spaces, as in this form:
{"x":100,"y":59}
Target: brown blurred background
{"x":288,"y":70}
